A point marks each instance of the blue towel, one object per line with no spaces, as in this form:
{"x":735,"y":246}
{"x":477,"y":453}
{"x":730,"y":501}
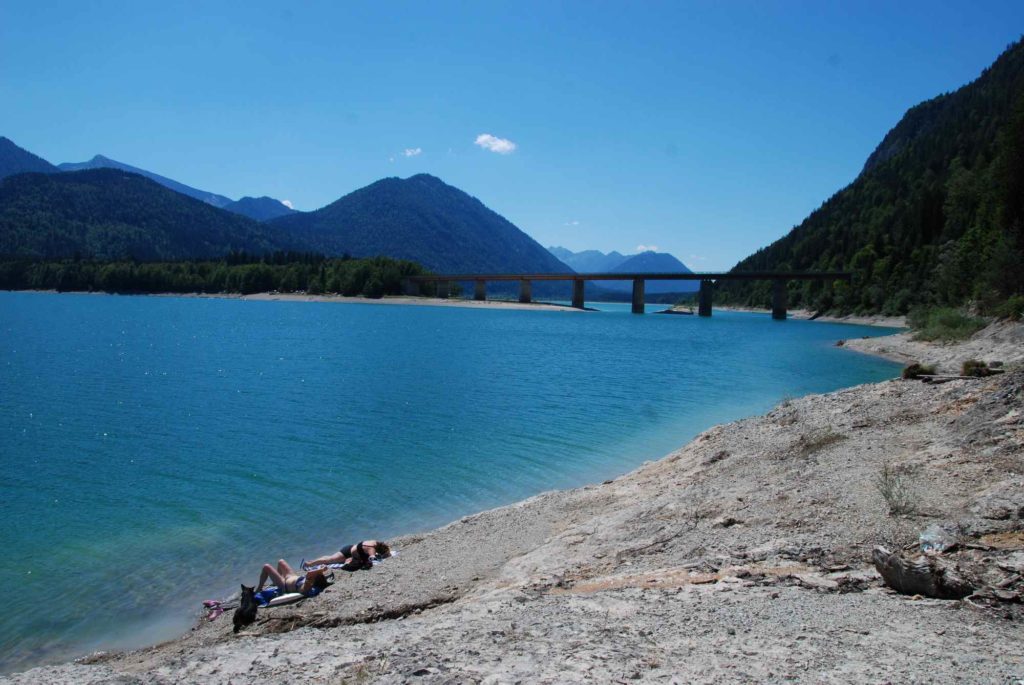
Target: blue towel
{"x":264,"y":596}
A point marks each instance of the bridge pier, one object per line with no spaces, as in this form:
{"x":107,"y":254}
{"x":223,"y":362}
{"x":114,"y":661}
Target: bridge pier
{"x":480,"y":291}
{"x":525,"y":291}
{"x":704,"y":299}
{"x":779,"y":297}
{"x":577,"y":293}
{"x":638,"y":296}
{"x":443,"y":288}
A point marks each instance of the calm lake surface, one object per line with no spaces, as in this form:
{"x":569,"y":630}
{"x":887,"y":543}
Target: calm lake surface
{"x":157,"y":450}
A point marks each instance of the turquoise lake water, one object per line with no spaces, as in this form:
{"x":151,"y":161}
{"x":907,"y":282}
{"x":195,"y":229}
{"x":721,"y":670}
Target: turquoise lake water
{"x":157,"y":450}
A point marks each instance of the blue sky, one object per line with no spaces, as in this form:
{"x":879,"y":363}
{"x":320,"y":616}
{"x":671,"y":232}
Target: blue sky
{"x":706,"y":129}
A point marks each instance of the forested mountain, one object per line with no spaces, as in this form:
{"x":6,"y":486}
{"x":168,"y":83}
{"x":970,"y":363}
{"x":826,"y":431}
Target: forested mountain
{"x":14,"y":160}
{"x":101,"y":162}
{"x":112,"y":214}
{"x":420,"y":218}
{"x":593,"y":261}
{"x":259,"y":208}
{"x":935,"y":217}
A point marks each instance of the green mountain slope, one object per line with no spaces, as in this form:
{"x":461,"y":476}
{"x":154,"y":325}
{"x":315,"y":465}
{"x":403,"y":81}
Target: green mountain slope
{"x":15,"y":160}
{"x":935,"y":217}
{"x":112,"y":214}
{"x":421,"y":219}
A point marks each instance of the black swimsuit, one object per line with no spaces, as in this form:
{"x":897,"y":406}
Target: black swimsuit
{"x":359,"y":553}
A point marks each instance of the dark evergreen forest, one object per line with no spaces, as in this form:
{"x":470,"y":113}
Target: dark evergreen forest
{"x":111,"y":214}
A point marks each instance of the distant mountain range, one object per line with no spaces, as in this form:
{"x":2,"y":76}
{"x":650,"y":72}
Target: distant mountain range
{"x":111,"y":211}
{"x":588,"y":261}
{"x":594,"y":261}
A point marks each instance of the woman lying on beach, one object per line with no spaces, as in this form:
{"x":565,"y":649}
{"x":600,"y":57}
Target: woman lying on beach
{"x":288,"y":580}
{"x":355,"y":557}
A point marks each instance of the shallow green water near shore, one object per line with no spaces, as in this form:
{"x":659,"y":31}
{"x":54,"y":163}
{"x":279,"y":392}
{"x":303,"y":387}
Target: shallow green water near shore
{"x":157,"y":450}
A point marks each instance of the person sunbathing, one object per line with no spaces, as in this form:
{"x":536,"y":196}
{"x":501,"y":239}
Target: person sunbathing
{"x":354,"y":557}
{"x":287,"y":580}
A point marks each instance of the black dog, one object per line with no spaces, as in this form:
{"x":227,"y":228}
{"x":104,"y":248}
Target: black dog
{"x":245,"y":614}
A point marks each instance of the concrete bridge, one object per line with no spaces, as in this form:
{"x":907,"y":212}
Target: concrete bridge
{"x":707,"y":280}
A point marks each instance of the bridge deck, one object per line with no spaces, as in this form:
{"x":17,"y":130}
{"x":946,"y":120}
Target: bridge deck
{"x":778,"y":279}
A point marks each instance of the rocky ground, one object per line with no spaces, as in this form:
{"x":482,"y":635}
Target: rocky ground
{"x":1001,"y":342}
{"x":743,"y":556}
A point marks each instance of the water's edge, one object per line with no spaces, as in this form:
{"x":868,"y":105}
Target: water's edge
{"x":160,"y":638}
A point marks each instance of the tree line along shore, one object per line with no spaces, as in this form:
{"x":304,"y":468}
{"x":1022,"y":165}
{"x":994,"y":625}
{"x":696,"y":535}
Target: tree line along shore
{"x":236,"y":273}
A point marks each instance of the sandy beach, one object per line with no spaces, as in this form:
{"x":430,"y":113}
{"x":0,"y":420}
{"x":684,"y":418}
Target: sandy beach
{"x":405,"y":300}
{"x":743,"y":556}
{"x":341,"y":299}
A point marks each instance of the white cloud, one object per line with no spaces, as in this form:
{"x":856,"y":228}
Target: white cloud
{"x":503,"y":146}
{"x":572,"y":223}
{"x":413,"y":151}
{"x":697,"y":258}
{"x":647,"y":248}
{"x":288,"y":204}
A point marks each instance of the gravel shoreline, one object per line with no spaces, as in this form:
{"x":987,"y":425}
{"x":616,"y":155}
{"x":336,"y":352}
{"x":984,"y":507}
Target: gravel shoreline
{"x":743,"y":556}
{"x":805,"y":314}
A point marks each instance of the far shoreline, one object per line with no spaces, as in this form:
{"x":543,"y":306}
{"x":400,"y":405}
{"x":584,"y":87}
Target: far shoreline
{"x":337,"y":299}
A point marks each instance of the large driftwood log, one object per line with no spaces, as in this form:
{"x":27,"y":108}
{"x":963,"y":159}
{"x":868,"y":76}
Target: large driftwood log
{"x":931,"y":576}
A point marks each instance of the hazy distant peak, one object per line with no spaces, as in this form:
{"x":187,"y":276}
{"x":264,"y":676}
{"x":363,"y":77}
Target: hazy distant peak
{"x":260,"y":208}
{"x":101,"y":161}
{"x":588,"y":261}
